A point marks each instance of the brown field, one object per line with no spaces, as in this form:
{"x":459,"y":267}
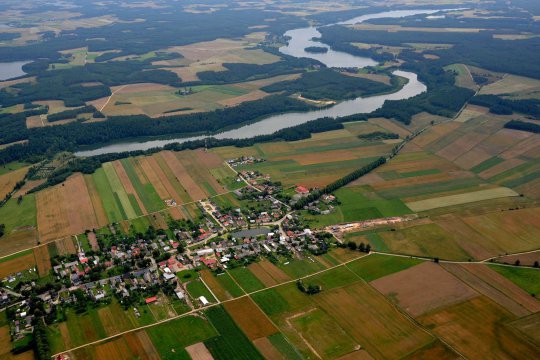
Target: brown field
{"x":217,"y":289}
{"x":472,"y":158}
{"x":496,"y":287}
{"x":501,"y":167}
{"x":180,"y":172}
{"x":529,"y":326}
{"x":20,"y":263}
{"x":176,"y":213}
{"x":356,"y":355}
{"x":65,"y":210}
{"x":524,"y":259}
{"x":437,"y":350}
{"x":128,"y":186}
{"x":250,"y":318}
{"x":390,"y":125}
{"x":99,"y":211}
{"x":367,"y":316}
{"x":251,"y":96}
{"x":434,"y":133}
{"x":43,"y":260}
{"x":530,"y":144}
{"x":267,"y":349}
{"x":92,"y":240}
{"x":267,"y":273}
{"x":8,"y":181}
{"x":471,"y":112}
{"x":153,"y":177}
{"x":28,"y":185}
{"x":475,"y":328}
{"x":65,"y":246}
{"x":113,"y":319}
{"x":514,"y":231}
{"x":167,"y":178}
{"x":512,"y":84}
{"x":18,"y":240}
{"x":423,"y":288}
{"x":461,"y":146}
{"x":199,"y":351}
{"x":191,"y":160}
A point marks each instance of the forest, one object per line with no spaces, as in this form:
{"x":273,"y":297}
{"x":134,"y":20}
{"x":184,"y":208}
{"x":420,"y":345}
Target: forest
{"x":330,"y":84}
{"x":522,"y":125}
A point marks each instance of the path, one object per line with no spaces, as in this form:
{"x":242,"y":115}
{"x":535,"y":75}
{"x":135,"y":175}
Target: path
{"x":110,"y":97}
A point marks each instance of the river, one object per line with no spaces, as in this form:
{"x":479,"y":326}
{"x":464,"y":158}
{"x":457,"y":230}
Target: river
{"x":299,"y":40}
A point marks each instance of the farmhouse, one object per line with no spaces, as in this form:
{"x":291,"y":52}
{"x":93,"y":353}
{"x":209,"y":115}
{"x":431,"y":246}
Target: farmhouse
{"x":302,"y":190}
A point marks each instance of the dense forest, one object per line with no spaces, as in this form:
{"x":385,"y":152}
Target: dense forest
{"x":500,"y":106}
{"x":522,"y":125}
{"x":49,"y":140}
{"x":330,"y":84}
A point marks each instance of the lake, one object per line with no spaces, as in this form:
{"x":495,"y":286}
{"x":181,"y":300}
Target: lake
{"x":10,"y":70}
{"x":299,"y":40}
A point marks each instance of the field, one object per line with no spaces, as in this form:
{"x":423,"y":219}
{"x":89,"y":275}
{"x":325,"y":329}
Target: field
{"x":423,"y":288}
{"x":527,"y":279}
{"x":313,"y":162}
{"x":496,"y":287}
{"x":375,"y":266}
{"x":9,"y":179}
{"x":475,"y":327}
{"x":250,"y":319}
{"x":223,"y":286}
{"x":16,"y":263}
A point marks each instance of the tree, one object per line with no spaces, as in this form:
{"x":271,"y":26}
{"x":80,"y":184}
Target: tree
{"x":517,"y":263}
{"x":2,"y":229}
{"x":436,"y":260}
{"x":536,"y":264}
{"x":362,"y":247}
{"x":351,"y":245}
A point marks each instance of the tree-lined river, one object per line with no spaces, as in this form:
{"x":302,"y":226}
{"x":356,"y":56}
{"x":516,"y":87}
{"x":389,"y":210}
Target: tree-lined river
{"x":299,"y":40}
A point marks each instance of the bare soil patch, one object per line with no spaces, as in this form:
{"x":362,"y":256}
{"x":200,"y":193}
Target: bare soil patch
{"x":423,"y":288}
{"x":250,"y":318}
{"x":199,"y":351}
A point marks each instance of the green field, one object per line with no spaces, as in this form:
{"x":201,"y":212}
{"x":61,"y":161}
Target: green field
{"x":172,"y":337}
{"x":246,"y":279}
{"x":229,"y":285}
{"x":148,"y":195}
{"x":337,"y":277}
{"x":4,"y":169}
{"x":232,"y":343}
{"x":284,"y":347}
{"x":526,"y":278}
{"x":375,"y":266}
{"x":15,"y":215}
{"x":299,"y":268}
{"x":113,"y":208}
{"x":197,"y":289}
{"x":125,"y":200}
{"x":487,"y":164}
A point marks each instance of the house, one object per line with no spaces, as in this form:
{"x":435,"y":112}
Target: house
{"x":151,"y":300}
{"x":302,"y":190}
{"x":203,"y":301}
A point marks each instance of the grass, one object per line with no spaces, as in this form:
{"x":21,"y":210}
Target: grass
{"x":270,"y":301}
{"x":197,"y":289}
{"x":15,"y":256}
{"x":148,"y":195}
{"x":247,"y":280}
{"x":172,"y":337}
{"x":15,"y":215}
{"x":376,"y":266}
{"x":526,"y":278}
{"x":232,"y":343}
{"x":299,"y":268}
{"x":4,"y":169}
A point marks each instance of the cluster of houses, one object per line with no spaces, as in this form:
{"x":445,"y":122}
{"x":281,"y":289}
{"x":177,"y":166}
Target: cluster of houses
{"x":244,"y":160}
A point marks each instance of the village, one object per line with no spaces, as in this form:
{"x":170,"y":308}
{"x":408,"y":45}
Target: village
{"x":158,"y":266}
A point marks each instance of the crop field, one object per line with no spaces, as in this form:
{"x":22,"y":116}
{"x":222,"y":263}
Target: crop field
{"x":8,"y":181}
{"x":423,"y":288}
{"x":43,"y":260}
{"x":459,"y":199}
{"x":197,"y":288}
{"x":114,"y":319}
{"x":496,"y":287}
{"x":5,"y":347}
{"x":231,"y":343}
{"x":246,"y":279}
{"x":377,"y":326}
{"x":527,"y":279}
{"x":268,"y":273}
{"x":376,"y":266}
{"x":476,"y":327}
{"x":19,"y":216}
{"x":171,"y":338}
{"x":513,"y":86}
{"x":463,"y":78}
{"x":250,"y":318}
{"x":65,"y":210}
{"x":312,"y":162}
{"x":16,"y":263}
{"x":222,"y":285}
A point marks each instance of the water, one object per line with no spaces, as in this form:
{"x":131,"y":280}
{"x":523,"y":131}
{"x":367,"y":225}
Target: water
{"x":299,"y":40}
{"x":12,"y":69}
